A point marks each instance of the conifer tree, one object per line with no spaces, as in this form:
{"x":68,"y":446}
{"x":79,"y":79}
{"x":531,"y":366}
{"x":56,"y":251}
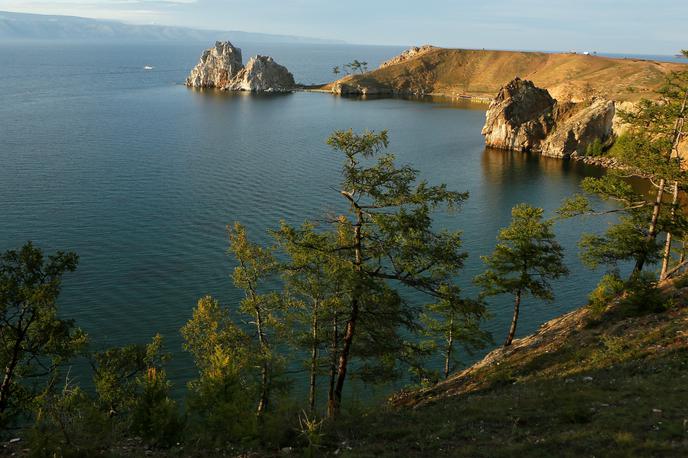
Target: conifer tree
{"x":387,"y":241}
{"x":34,"y":341}
{"x":314,"y":287}
{"x":257,"y":265}
{"x":451,"y":326}
{"x":527,"y":257}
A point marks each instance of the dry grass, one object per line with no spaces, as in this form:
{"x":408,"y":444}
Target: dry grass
{"x":477,"y":73}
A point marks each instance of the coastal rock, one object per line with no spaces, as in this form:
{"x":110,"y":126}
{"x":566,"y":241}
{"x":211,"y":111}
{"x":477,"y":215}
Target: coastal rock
{"x":221,"y":67}
{"x":408,"y":54}
{"x":524,"y":117}
{"x":262,"y":74}
{"x":578,"y":127}
{"x":217,"y":67}
{"x":520,"y":117}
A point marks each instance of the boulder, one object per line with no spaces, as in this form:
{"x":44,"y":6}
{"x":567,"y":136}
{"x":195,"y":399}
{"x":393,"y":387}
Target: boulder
{"x":221,"y":67}
{"x":524,"y":117}
{"x":217,"y":67}
{"x":262,"y":74}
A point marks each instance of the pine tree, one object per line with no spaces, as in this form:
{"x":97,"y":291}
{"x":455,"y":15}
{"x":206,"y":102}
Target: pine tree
{"x":527,"y":257}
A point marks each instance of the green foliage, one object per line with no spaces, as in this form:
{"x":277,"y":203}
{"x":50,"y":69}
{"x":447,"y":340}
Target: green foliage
{"x":35,"y":342}
{"x":627,"y":240}
{"x":387,"y":241}
{"x":596,"y":148}
{"x":221,"y":400}
{"x":609,"y":287}
{"x":643,"y":295}
{"x":527,"y":257}
{"x":450,"y":325}
{"x":68,"y":423}
{"x":133,"y":390}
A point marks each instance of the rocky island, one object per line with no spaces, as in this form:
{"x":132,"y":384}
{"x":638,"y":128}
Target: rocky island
{"x":221,"y":67}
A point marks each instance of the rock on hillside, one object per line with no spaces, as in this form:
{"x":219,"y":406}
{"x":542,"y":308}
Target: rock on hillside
{"x":524,"y":117}
{"x":221,"y":67}
{"x":408,"y":54}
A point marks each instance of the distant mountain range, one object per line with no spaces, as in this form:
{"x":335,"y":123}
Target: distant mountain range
{"x":37,"y":27}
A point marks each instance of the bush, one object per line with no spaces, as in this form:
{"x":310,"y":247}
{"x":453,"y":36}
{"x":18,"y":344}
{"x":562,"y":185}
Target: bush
{"x":609,"y":287}
{"x":643,"y":296}
{"x":596,"y":148}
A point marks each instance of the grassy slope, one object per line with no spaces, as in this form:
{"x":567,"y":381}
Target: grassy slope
{"x":615,"y":385}
{"x":479,"y":73}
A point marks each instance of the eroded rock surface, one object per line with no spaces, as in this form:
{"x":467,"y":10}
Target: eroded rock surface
{"x":262,"y":74}
{"x":524,"y":117}
{"x":221,"y":67}
{"x":217,"y":67}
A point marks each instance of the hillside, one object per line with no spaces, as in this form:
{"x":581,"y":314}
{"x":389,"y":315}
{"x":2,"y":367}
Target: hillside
{"x":481,"y":73}
{"x":585,"y":384}
{"x":39,"y":27}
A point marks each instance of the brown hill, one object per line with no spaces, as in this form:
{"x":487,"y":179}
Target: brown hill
{"x":480,"y":74}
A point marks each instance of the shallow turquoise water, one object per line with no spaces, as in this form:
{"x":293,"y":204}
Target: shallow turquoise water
{"x":140,"y":176}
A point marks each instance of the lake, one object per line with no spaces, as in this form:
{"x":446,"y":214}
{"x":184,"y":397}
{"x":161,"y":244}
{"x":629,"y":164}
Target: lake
{"x":140,"y":176}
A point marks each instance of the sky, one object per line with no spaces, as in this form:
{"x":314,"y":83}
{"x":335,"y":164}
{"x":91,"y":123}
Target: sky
{"x":624,"y":26}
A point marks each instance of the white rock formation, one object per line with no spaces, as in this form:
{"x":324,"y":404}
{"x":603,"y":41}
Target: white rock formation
{"x":262,"y":74}
{"x":217,"y":67}
{"x":221,"y":67}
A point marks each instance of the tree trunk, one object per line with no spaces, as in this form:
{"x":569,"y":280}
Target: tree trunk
{"x":652,"y":231}
{"x":314,"y":358}
{"x":450,"y":347}
{"x":667,"y":244}
{"x":514,"y":320}
{"x":353,"y":317}
{"x":333,"y":367}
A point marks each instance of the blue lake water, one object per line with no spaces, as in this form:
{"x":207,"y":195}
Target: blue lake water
{"x":140,"y":176}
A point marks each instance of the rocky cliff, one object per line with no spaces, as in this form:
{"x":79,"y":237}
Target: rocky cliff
{"x":222,"y":67}
{"x":524,"y":117}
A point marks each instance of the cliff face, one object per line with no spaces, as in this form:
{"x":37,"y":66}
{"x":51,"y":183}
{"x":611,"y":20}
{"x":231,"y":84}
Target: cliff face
{"x":524,"y":117}
{"x":221,"y":67}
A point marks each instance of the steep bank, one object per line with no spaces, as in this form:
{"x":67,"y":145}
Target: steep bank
{"x":585,"y":384}
{"x":481,"y":73}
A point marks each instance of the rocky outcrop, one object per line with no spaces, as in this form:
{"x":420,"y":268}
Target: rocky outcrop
{"x":520,"y":117}
{"x":578,"y":126}
{"x":217,"y":68}
{"x":408,"y":54}
{"x":524,"y":117}
{"x":221,"y":67}
{"x":262,"y":74}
